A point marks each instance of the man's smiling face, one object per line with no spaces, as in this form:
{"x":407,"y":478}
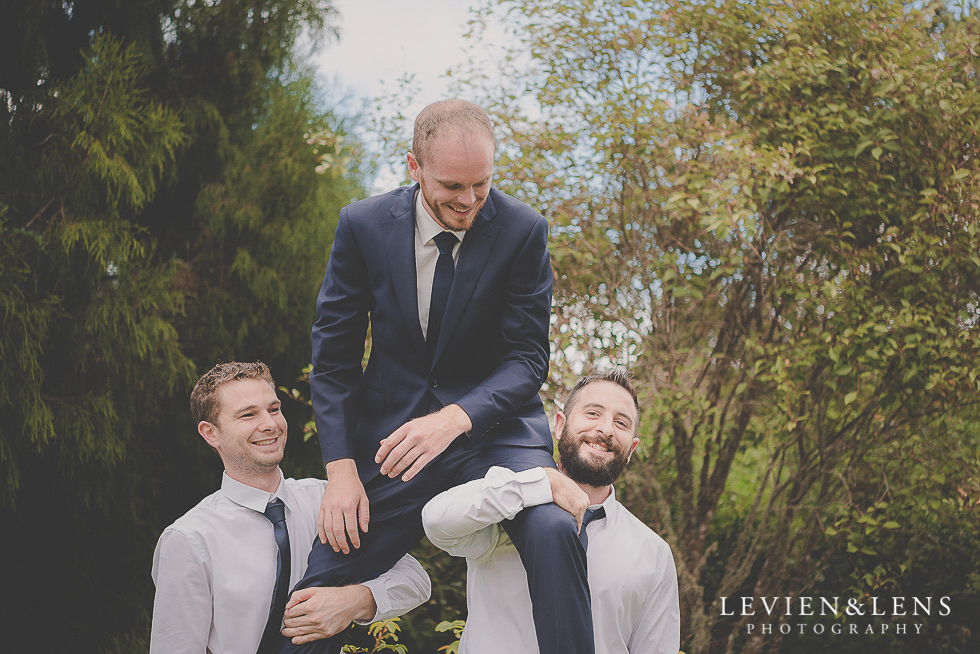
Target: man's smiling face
{"x":597,"y":436}
{"x":250,"y":431}
{"x":455,"y":178}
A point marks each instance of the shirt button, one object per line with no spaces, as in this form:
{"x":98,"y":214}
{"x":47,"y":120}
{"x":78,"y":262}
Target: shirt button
{"x":434,"y":382}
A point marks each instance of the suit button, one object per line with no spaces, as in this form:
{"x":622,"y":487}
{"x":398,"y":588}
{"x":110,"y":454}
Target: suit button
{"x":434,"y":382}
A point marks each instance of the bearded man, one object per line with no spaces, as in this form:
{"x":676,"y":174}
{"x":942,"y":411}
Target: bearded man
{"x":630,"y":568}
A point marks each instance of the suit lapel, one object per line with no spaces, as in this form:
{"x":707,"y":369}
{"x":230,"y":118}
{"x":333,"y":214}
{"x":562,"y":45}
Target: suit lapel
{"x":473,"y":255}
{"x":399,"y":240}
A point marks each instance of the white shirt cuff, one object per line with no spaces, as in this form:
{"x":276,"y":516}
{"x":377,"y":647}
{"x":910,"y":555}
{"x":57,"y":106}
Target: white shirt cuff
{"x":379,"y":590}
{"x":535,"y":486}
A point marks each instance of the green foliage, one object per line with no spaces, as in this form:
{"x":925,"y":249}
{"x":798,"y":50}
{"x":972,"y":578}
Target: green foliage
{"x":385,"y":634}
{"x":774,"y":224}
{"x":456,"y":626}
{"x":78,"y":279}
{"x":384,"y":638}
{"x":264,"y":230}
{"x":167,"y":188}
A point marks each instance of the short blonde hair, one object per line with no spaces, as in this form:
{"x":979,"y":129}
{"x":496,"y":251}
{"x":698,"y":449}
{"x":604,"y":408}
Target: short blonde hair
{"x":453,"y":113}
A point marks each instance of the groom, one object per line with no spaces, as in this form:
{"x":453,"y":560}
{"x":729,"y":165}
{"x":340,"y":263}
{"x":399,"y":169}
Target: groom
{"x":455,"y":279}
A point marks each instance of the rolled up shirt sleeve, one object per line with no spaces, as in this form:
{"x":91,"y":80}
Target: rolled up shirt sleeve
{"x":404,"y":587}
{"x":463,"y":520}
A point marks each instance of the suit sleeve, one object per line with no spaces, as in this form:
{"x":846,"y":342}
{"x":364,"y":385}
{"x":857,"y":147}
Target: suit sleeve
{"x":182,"y":605}
{"x":338,"y":344}
{"x":525,"y":323}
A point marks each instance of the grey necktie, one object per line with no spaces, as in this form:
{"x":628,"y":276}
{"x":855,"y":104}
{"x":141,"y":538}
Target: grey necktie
{"x":276,"y":513}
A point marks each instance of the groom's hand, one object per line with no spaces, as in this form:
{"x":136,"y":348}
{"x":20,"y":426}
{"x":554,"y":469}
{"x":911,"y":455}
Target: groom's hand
{"x":344,"y":507}
{"x":413,"y":445}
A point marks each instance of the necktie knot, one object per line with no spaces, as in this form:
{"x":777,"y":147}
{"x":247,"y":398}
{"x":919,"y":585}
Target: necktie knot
{"x":593,"y":514}
{"x":445,"y":241}
{"x":275,"y":511}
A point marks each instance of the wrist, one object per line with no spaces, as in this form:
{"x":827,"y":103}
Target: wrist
{"x":340,"y":469}
{"x":364,"y":605}
{"x":461,"y":420}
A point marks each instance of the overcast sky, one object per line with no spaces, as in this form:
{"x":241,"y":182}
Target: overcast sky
{"x":381,"y":41}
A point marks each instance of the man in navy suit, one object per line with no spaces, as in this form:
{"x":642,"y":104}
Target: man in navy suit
{"x":454,"y":278}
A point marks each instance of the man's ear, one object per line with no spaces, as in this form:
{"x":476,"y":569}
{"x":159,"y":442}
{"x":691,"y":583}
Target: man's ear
{"x":636,"y":441}
{"x":208,"y":432}
{"x":559,"y":424}
{"x":414,"y":169}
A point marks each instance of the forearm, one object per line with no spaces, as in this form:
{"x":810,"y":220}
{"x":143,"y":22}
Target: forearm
{"x":398,"y":591}
{"x":337,"y":340}
{"x":364,"y":605}
{"x":461,"y":519}
{"x":181,"y":631}
{"x":508,"y":388}
{"x":341,"y":470}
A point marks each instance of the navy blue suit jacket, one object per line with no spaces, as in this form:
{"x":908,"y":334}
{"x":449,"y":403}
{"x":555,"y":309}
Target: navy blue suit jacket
{"x":493,"y":350}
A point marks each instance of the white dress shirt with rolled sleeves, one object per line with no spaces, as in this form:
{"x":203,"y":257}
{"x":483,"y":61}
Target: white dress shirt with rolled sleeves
{"x":631,"y":569}
{"x":215,"y":569}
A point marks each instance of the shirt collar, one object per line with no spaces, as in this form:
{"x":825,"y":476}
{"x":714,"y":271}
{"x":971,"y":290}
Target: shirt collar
{"x":425,"y":225}
{"x":251,"y":497}
{"x":609,"y":503}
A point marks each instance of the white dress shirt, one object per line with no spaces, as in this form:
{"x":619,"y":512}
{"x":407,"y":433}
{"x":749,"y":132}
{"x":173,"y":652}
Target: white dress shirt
{"x":426,"y":255}
{"x":215,"y":569}
{"x":630,"y":568}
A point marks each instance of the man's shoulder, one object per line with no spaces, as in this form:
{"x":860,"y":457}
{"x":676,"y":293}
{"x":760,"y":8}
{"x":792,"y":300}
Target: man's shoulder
{"x":641,"y":551}
{"x":639,"y":530}
{"x":308,"y":490}
{"x":204,"y":518}
{"x":306,"y":483}
{"x":508,"y":207}
{"x":380,"y":207}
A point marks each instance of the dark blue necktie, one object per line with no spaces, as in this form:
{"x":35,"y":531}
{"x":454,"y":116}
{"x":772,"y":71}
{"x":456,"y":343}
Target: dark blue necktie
{"x":442,"y":281}
{"x":276,"y":513}
{"x":590,"y":515}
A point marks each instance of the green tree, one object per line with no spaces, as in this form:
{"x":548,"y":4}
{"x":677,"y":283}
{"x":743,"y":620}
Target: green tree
{"x":768,"y":210}
{"x":168,"y":184}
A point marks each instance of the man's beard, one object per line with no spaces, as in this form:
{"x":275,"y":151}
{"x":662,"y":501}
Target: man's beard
{"x":591,"y":471}
{"x":447,"y":219}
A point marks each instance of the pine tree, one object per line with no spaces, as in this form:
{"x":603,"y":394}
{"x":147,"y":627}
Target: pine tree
{"x":168,"y":186}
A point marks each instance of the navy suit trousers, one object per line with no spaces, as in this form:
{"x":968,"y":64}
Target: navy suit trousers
{"x":544,"y":535}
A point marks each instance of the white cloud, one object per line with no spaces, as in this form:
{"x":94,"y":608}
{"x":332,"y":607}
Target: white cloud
{"x":383,"y":40}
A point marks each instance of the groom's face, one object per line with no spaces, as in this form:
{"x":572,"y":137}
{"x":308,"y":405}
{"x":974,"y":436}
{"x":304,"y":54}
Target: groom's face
{"x":455,"y":177}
